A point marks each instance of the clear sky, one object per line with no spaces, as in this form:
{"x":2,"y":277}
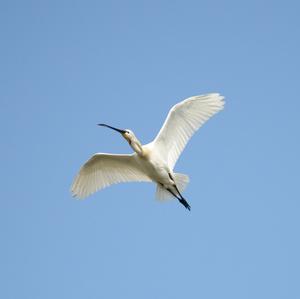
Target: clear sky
{"x":68,"y":65}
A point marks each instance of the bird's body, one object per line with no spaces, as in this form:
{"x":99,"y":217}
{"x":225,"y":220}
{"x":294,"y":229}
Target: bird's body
{"x":150,"y":162}
{"x":155,"y":161}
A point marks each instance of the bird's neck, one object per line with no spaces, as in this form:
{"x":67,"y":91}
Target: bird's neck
{"x":137,"y":147}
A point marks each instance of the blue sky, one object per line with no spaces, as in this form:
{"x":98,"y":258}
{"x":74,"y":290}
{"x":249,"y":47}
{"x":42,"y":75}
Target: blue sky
{"x":68,"y":65}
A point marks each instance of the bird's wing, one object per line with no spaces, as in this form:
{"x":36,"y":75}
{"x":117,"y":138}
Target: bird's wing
{"x":103,"y":170}
{"x":183,"y":120}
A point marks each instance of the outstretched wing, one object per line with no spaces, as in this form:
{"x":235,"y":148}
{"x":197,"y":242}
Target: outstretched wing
{"x":183,"y":120}
{"x":103,"y":170}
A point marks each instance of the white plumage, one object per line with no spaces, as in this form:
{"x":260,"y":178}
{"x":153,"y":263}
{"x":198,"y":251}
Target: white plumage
{"x":155,"y":161}
{"x":103,"y":170}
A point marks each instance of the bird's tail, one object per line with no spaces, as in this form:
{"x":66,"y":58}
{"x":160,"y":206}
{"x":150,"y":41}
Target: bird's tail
{"x":181,"y":181}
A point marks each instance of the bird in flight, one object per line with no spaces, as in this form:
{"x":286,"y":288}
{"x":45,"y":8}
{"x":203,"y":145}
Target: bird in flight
{"x":152,"y":162}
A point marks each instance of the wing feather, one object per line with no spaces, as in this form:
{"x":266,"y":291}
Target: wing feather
{"x":183,"y":120}
{"x":103,"y":170}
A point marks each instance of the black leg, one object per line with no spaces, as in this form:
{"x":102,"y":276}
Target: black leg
{"x":181,"y":200}
{"x":185,"y":203}
{"x":178,"y":191}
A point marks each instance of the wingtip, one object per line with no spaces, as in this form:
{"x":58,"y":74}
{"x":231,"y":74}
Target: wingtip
{"x":75,"y":195}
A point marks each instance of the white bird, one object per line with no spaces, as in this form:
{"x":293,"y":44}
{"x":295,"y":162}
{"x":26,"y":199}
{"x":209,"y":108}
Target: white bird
{"x":152,"y":162}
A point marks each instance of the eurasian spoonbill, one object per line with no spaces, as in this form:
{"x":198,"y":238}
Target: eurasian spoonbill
{"x":155,"y":161}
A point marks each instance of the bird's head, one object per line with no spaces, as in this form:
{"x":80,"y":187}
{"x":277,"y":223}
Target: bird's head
{"x":127,"y":134}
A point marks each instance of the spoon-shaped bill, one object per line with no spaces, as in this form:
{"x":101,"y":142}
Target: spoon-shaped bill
{"x":113,"y":128}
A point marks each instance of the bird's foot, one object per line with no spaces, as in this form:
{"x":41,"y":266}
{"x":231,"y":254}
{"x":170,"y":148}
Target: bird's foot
{"x":185,"y":203}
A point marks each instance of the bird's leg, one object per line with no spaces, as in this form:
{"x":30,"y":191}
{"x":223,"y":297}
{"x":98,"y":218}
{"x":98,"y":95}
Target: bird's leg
{"x":181,"y":199}
{"x":178,"y":192}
